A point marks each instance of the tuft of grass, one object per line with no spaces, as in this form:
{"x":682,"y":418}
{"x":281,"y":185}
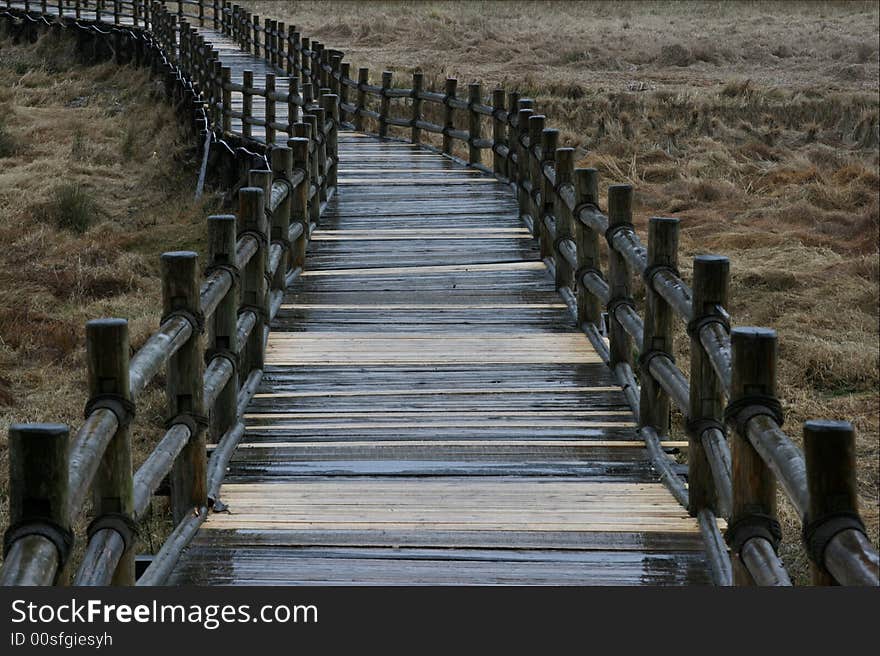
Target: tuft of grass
{"x":72,"y":208}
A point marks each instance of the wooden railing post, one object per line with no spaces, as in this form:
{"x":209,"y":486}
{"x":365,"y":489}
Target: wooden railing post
{"x":475,"y":97}
{"x":619,"y":277}
{"x":415,"y":130}
{"x":38,"y":496}
{"x":753,"y":514}
{"x":223,"y":336}
{"x":305,"y":43}
{"x":293,"y":51}
{"x":293,"y":111}
{"x":662,"y":253}
{"x":710,"y":284}
{"x":306,"y":130}
{"x":564,"y":176}
{"x":226,"y":82}
{"x":247,"y":104}
{"x":335,"y":74}
{"x":344,"y":90}
{"x":586,"y":192}
{"x":384,"y":104}
{"x":499,"y":133}
{"x":252,"y":221}
{"x":282,"y":168}
{"x":363,"y":80}
{"x":317,"y":73}
{"x":549,"y":144}
{"x":107,"y":351}
{"x":323,"y":63}
{"x":512,"y":132}
{"x":535,"y":127}
{"x":830,"y":452}
{"x":299,"y":208}
{"x":270,"y":108}
{"x":321,"y":148}
{"x":331,"y":112}
{"x":449,"y":114}
{"x":184,"y":382}
{"x":523,"y":168}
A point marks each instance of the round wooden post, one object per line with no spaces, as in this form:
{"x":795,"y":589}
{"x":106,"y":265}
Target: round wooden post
{"x":619,"y":277}
{"x":293,"y":47}
{"x":335,"y":73}
{"x":299,"y":212}
{"x":384,"y":104}
{"x":549,"y":144}
{"x":331,"y":111}
{"x":282,"y":167}
{"x":293,"y":111}
{"x":363,"y":80}
{"x":535,"y":127}
{"x":475,"y":97}
{"x":319,"y":130}
{"x":184,"y":382}
{"x":586,"y":191}
{"x":449,"y":89}
{"x":252,"y":221}
{"x":223,"y":341}
{"x":754,"y":354}
{"x":830,"y":452}
{"x":107,"y":352}
{"x":226,"y":81}
{"x":710,"y":284}
{"x":38,"y":494}
{"x":662,"y":252}
{"x":344,"y":90}
{"x":564,"y":176}
{"x":415,"y":130}
{"x":499,"y":133}
{"x":523,"y":165}
{"x":270,"y":109}
{"x":512,"y":133}
{"x":247,"y":103}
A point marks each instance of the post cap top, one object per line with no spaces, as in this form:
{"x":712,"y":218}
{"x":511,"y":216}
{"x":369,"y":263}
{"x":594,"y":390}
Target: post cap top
{"x":222,"y":217}
{"x":828,"y":426}
{"x":753,"y":332}
{"x":58,"y":430}
{"x":106,"y":322}
{"x":711,"y":258}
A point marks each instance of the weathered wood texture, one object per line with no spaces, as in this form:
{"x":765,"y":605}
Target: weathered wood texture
{"x":429,"y":412}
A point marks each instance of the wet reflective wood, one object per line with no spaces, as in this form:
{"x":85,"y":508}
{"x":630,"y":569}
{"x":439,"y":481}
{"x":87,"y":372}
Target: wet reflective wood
{"x":429,"y":413}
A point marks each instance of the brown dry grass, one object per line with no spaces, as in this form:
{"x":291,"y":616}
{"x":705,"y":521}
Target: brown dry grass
{"x":106,"y":132}
{"x":755,"y":123}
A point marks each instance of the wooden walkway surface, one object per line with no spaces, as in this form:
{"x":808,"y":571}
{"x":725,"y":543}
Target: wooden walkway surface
{"x":430,"y":414}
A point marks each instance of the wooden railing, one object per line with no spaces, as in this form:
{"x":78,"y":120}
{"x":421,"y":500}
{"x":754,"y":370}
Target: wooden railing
{"x":210,"y":343}
{"x":732,"y":382}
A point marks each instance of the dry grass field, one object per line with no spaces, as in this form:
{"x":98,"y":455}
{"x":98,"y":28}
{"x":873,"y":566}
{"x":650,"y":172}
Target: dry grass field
{"x":91,"y":193}
{"x":755,"y":123}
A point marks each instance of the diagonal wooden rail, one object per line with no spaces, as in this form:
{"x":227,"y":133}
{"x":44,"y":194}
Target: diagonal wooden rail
{"x":426,"y":408}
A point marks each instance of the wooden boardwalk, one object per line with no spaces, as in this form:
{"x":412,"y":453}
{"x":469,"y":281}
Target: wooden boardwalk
{"x":430,"y":414}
